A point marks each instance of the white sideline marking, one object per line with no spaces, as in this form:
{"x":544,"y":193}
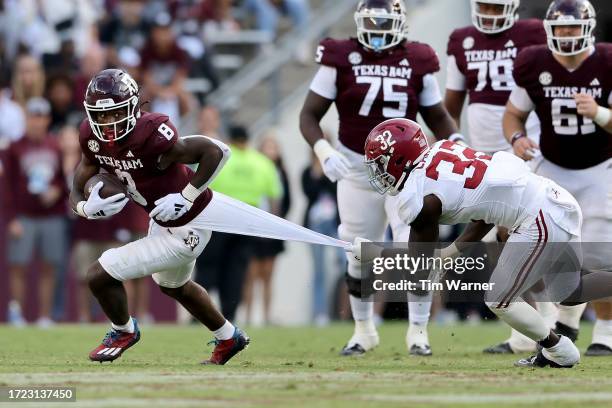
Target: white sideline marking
{"x":494,"y":398}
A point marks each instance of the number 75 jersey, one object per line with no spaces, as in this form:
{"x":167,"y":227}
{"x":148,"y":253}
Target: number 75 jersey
{"x":370,"y":87}
{"x":134,"y":160}
{"x":471,"y":185}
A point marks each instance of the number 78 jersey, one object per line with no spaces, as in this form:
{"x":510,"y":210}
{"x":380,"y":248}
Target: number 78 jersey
{"x":369,"y":87}
{"x":471,"y":185}
{"x":134,"y":160}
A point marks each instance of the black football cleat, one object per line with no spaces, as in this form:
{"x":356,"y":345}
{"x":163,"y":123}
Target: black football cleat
{"x":354,"y":350}
{"x":538,"y":361}
{"x":114,"y":344}
{"x":598,"y":350}
{"x":420,"y":350}
{"x":501,"y":348}
{"x":564,"y":330}
{"x":226,"y":349}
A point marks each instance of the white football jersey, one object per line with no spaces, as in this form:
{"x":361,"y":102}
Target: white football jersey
{"x":471,"y":185}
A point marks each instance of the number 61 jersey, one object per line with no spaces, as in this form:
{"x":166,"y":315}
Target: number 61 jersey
{"x":567,"y":139}
{"x":134,"y":159}
{"x":370,"y":87}
{"x":471,"y":185}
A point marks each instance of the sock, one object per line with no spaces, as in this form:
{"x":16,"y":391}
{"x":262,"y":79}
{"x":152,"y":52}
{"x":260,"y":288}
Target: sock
{"x":419,"y":308}
{"x":602,"y":332}
{"x":570,"y":315}
{"x":522,"y":317}
{"x":549,"y":312}
{"x":127,"y":327}
{"x":362,"y":309}
{"x":550,"y":341}
{"x":225,"y":332}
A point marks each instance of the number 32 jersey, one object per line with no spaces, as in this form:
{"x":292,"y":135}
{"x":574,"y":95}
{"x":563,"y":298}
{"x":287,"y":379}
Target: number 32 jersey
{"x":568,"y":140}
{"x":370,"y":87}
{"x":134,"y":159}
{"x":471,"y":185}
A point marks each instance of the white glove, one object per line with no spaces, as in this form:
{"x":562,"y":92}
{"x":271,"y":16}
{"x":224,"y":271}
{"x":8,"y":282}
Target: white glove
{"x":97,"y":207}
{"x":170,"y":207}
{"x":362,"y":257}
{"x":335,"y":165}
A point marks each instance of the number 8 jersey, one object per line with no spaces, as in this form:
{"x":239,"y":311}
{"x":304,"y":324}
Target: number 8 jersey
{"x":568,"y":140}
{"x":471,"y":185}
{"x":134,"y":159}
{"x":482,"y":64}
{"x":369,"y":87}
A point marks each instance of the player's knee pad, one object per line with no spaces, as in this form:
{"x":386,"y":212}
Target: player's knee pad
{"x":360,"y":288}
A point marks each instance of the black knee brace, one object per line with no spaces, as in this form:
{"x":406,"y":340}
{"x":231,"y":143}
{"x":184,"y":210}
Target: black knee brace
{"x":360,"y":288}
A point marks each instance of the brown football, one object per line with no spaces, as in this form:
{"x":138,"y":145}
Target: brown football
{"x":112,"y":185}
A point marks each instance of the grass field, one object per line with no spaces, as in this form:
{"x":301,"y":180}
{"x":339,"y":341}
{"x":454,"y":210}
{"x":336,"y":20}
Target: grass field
{"x":296,"y":367}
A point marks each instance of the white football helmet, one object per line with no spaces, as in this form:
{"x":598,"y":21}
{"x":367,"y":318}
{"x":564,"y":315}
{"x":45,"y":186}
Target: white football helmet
{"x":493,"y":24}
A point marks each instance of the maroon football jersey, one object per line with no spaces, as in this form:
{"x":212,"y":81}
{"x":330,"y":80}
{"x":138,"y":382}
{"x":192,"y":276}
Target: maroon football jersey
{"x":373,"y":87}
{"x":134,"y":160}
{"x":487,"y":60}
{"x":567,"y":139}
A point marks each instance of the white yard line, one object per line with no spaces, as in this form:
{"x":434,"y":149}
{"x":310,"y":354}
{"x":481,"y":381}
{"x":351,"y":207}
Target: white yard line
{"x":495,"y":398}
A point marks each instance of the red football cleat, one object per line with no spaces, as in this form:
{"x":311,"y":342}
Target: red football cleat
{"x":114,"y":344}
{"x":226,"y":349}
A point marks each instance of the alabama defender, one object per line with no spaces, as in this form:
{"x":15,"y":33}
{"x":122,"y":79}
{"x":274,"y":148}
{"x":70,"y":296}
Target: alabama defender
{"x":568,"y":85}
{"x":378,"y":75}
{"x":452,"y":184}
{"x":480,"y":63}
{"x":143,"y":149}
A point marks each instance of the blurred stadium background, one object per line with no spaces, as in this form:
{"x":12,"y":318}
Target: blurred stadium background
{"x":228,"y":63}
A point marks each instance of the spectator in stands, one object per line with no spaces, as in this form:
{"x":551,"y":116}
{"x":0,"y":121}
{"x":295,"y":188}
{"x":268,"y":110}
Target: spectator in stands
{"x":209,"y":122}
{"x":322,"y":216}
{"x":164,"y":68}
{"x":37,"y":211}
{"x":28,"y":79}
{"x":92,"y":62}
{"x":12,"y":119}
{"x":217,"y":17}
{"x":265,"y":251}
{"x":60,"y":93}
{"x":126,"y":28}
{"x":249,"y":177}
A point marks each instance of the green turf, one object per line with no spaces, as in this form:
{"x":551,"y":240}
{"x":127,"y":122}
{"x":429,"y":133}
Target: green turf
{"x":297,"y":367}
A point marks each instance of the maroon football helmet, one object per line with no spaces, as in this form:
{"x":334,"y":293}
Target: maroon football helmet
{"x":381,"y":24}
{"x":573,"y":13}
{"x":392,"y":150}
{"x":112,"y":104}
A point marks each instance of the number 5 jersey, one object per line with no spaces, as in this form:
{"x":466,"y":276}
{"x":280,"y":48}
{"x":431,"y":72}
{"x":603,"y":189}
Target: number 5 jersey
{"x":498,"y":189}
{"x":481,"y":65}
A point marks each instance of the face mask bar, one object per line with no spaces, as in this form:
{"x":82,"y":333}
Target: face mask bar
{"x":129,"y":120}
{"x":568,"y":46}
{"x":380,"y":39}
{"x":379,"y":178}
{"x":501,"y":22}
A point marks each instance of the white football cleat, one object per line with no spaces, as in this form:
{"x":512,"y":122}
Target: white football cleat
{"x":417,"y":340}
{"x":360,"y":343}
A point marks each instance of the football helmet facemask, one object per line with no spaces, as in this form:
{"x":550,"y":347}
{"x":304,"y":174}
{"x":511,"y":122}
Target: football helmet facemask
{"x":381,"y":24}
{"x":392,"y":150}
{"x":572,"y":13}
{"x":112,"y":104}
{"x":493,"y":24}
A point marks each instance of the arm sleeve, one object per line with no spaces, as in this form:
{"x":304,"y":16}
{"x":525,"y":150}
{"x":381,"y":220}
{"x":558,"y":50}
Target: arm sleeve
{"x":455,"y":80}
{"x":430,"y":95}
{"x":520,"y":98}
{"x":324,"y":82}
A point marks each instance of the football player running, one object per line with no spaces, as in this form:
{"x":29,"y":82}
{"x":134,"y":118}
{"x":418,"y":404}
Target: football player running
{"x":144,"y":151}
{"x":376,"y":76}
{"x":480,"y":64}
{"x":567,"y":83}
{"x":448,"y":183}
